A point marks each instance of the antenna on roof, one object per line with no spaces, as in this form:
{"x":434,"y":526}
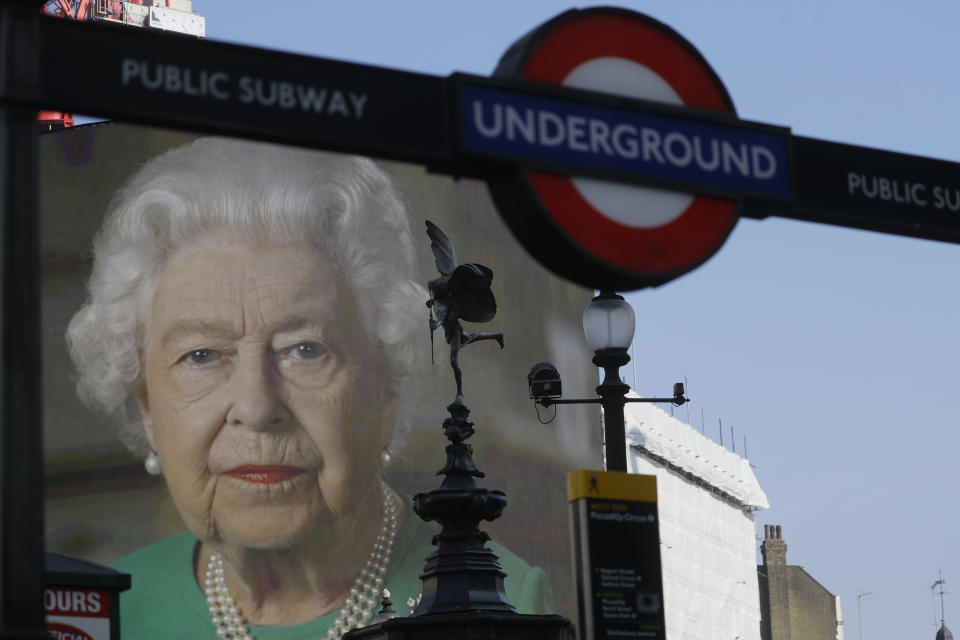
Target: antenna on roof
{"x":733,"y":443}
{"x":686,"y":385}
{"x":938,"y":583}
{"x":943,"y":614}
{"x":703,"y":422}
{"x":720,"y":422}
{"x":933,"y":603}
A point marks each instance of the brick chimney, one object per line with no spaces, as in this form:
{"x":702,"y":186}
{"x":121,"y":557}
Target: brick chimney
{"x":774,"y":586}
{"x":774,"y":549}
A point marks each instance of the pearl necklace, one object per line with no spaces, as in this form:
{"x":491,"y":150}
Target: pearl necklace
{"x":356,"y":611}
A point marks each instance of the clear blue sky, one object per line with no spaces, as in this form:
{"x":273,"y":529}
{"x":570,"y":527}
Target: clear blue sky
{"x":834,"y":351}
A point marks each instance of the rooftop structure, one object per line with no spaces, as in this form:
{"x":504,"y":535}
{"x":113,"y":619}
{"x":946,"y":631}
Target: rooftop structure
{"x":944,"y":633}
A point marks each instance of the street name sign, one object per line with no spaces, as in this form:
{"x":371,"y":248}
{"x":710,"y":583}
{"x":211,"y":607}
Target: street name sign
{"x":615,"y":529}
{"x":872,"y":189}
{"x":180,"y":81}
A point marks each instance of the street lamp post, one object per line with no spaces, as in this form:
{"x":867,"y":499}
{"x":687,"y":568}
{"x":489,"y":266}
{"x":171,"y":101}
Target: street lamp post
{"x":612,"y":394}
{"x":608,"y":325}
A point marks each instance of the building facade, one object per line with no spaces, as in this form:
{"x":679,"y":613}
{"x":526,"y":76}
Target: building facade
{"x":793,"y":605}
{"x":707,"y":496}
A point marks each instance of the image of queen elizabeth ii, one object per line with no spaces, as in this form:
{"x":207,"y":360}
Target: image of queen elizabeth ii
{"x":254,"y":319}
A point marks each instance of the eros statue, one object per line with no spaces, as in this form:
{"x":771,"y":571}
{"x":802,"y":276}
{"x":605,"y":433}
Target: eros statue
{"x":462,"y":292}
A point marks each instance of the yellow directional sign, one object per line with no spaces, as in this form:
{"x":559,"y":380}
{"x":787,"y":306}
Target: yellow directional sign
{"x":616,"y":542}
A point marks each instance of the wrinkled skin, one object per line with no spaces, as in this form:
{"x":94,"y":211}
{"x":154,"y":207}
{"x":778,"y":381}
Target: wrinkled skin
{"x":255,"y":358}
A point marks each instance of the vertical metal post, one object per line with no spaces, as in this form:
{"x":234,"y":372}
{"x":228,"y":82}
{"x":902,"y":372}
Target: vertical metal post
{"x":21,"y":441}
{"x":612,"y":392}
{"x":860,"y":596}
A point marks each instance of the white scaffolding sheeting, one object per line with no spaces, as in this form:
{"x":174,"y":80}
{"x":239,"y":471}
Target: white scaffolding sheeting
{"x":654,"y":430}
{"x":706,"y":496}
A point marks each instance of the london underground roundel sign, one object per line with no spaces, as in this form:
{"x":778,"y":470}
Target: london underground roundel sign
{"x":599,"y":233}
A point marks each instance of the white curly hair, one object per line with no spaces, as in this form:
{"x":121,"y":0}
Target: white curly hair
{"x":343,"y":206}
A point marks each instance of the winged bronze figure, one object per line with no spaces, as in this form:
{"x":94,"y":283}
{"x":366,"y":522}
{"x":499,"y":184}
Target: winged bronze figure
{"x":462,"y":292}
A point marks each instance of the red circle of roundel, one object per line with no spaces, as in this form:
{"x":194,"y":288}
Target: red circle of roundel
{"x":695,"y":234}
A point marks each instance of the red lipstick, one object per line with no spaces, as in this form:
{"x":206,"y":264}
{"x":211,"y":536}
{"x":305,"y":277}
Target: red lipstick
{"x":264,"y":474}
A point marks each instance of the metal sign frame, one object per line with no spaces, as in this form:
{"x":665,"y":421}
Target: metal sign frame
{"x":414,"y":117}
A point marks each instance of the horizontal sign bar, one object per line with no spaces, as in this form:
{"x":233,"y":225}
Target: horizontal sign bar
{"x":872,"y":189}
{"x":165,"y":79}
{"x":142,"y":76}
{"x":712,"y":156}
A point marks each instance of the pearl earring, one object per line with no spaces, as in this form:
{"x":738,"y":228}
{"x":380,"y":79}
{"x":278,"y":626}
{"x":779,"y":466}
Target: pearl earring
{"x":385,"y":457}
{"x":152,"y":464}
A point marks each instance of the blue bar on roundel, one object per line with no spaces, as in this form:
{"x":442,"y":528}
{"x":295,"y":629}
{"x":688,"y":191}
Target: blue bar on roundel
{"x":535,"y":128}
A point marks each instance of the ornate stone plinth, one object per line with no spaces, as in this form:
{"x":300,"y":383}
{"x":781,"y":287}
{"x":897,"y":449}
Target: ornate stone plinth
{"x":462,"y":574}
{"x":463,"y":594}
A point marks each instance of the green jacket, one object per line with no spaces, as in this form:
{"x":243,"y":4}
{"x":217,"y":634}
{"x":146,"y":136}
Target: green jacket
{"x":165,"y":602}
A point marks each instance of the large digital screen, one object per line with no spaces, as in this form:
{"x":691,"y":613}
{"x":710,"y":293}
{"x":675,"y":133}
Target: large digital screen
{"x":242,"y":390}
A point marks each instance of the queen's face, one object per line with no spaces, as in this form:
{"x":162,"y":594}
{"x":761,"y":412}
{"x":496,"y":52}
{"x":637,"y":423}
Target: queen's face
{"x":262,"y":394}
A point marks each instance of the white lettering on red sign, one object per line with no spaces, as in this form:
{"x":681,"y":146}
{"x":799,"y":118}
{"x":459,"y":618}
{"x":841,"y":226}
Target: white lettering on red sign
{"x":62,"y":601}
{"x":63,"y":631}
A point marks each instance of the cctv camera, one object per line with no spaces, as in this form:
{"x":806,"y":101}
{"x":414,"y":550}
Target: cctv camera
{"x":544,"y":381}
{"x":678,"y":398}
